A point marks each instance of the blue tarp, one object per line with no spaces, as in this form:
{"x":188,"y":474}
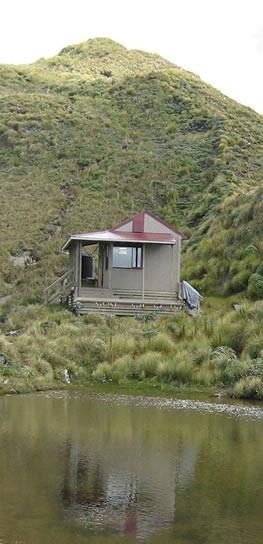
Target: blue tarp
{"x":190,"y":295}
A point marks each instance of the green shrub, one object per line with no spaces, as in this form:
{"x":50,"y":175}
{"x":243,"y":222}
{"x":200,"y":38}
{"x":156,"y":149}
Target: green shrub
{"x":255,"y":286}
{"x":251,"y":249}
{"x":239,"y":282}
{"x":254,"y":347}
{"x":255,"y":368}
{"x":260,"y":269}
{"x":228,"y":368}
{"x":232,"y":372}
{"x":222,"y":355}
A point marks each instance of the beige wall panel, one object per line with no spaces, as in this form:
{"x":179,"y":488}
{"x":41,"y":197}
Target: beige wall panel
{"x":126,"y":228}
{"x":160,"y":273}
{"x":124,"y":278}
{"x":151,"y":225}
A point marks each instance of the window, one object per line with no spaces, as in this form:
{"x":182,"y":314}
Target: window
{"x":127,"y":257}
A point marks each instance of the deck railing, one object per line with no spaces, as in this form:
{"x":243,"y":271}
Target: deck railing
{"x":60,"y":287}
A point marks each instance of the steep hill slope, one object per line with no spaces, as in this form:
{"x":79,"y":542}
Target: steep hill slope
{"x":99,"y":132}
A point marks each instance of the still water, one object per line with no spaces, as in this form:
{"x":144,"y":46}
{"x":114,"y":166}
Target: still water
{"x":77,"y":467}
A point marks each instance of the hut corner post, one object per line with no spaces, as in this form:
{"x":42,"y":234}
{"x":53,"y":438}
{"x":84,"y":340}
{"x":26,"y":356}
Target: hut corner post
{"x":110,"y":259}
{"x":177,"y":264}
{"x":75,"y":263}
{"x":143,"y":271}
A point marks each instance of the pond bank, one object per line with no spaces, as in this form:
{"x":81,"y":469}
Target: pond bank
{"x":143,"y":389}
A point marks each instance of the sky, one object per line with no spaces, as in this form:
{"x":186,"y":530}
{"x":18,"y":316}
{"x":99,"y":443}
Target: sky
{"x":220,"y":40}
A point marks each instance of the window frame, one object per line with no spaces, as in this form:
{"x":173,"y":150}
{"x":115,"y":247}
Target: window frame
{"x":139,"y":251}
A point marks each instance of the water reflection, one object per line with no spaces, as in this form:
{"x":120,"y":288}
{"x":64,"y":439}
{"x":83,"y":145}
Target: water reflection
{"x":103,"y":495}
{"x":74,"y":467}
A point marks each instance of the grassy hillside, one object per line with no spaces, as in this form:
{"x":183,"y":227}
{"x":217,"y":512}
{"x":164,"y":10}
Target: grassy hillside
{"x":99,"y":132}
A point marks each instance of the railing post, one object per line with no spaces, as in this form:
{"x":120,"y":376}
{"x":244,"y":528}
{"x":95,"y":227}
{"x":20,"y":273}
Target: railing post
{"x":57,"y":286}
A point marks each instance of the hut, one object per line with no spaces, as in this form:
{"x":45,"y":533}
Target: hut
{"x":129,"y":269}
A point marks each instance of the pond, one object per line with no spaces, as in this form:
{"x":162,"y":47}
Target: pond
{"x":78,"y":467}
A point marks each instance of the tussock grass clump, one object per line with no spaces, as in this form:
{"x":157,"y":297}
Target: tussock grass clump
{"x":44,"y":367}
{"x":6,"y":348}
{"x":122,"y":344}
{"x":200,"y":349}
{"x":103,"y":372}
{"x":94,"y":319}
{"x":177,"y":368}
{"x":254,"y":347}
{"x":118,"y":372}
{"x":66,"y":329}
{"x":183,"y":368}
{"x":232,"y":335}
{"x":250,"y":387}
{"x":205,"y":375}
{"x":255,"y":311}
{"x":162,"y":343}
{"x":53,"y":356}
{"x":147,"y":364}
{"x":123,"y":369}
{"x":90,"y":351}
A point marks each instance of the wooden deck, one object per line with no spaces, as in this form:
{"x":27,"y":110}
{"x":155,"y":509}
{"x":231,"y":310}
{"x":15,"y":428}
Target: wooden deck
{"x":124,"y":302}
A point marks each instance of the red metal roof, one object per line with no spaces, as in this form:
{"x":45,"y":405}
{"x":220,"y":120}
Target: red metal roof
{"x":136,"y":234}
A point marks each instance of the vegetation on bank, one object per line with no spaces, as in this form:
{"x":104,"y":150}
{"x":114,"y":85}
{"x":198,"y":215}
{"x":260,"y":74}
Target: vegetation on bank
{"x":222,"y":348}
